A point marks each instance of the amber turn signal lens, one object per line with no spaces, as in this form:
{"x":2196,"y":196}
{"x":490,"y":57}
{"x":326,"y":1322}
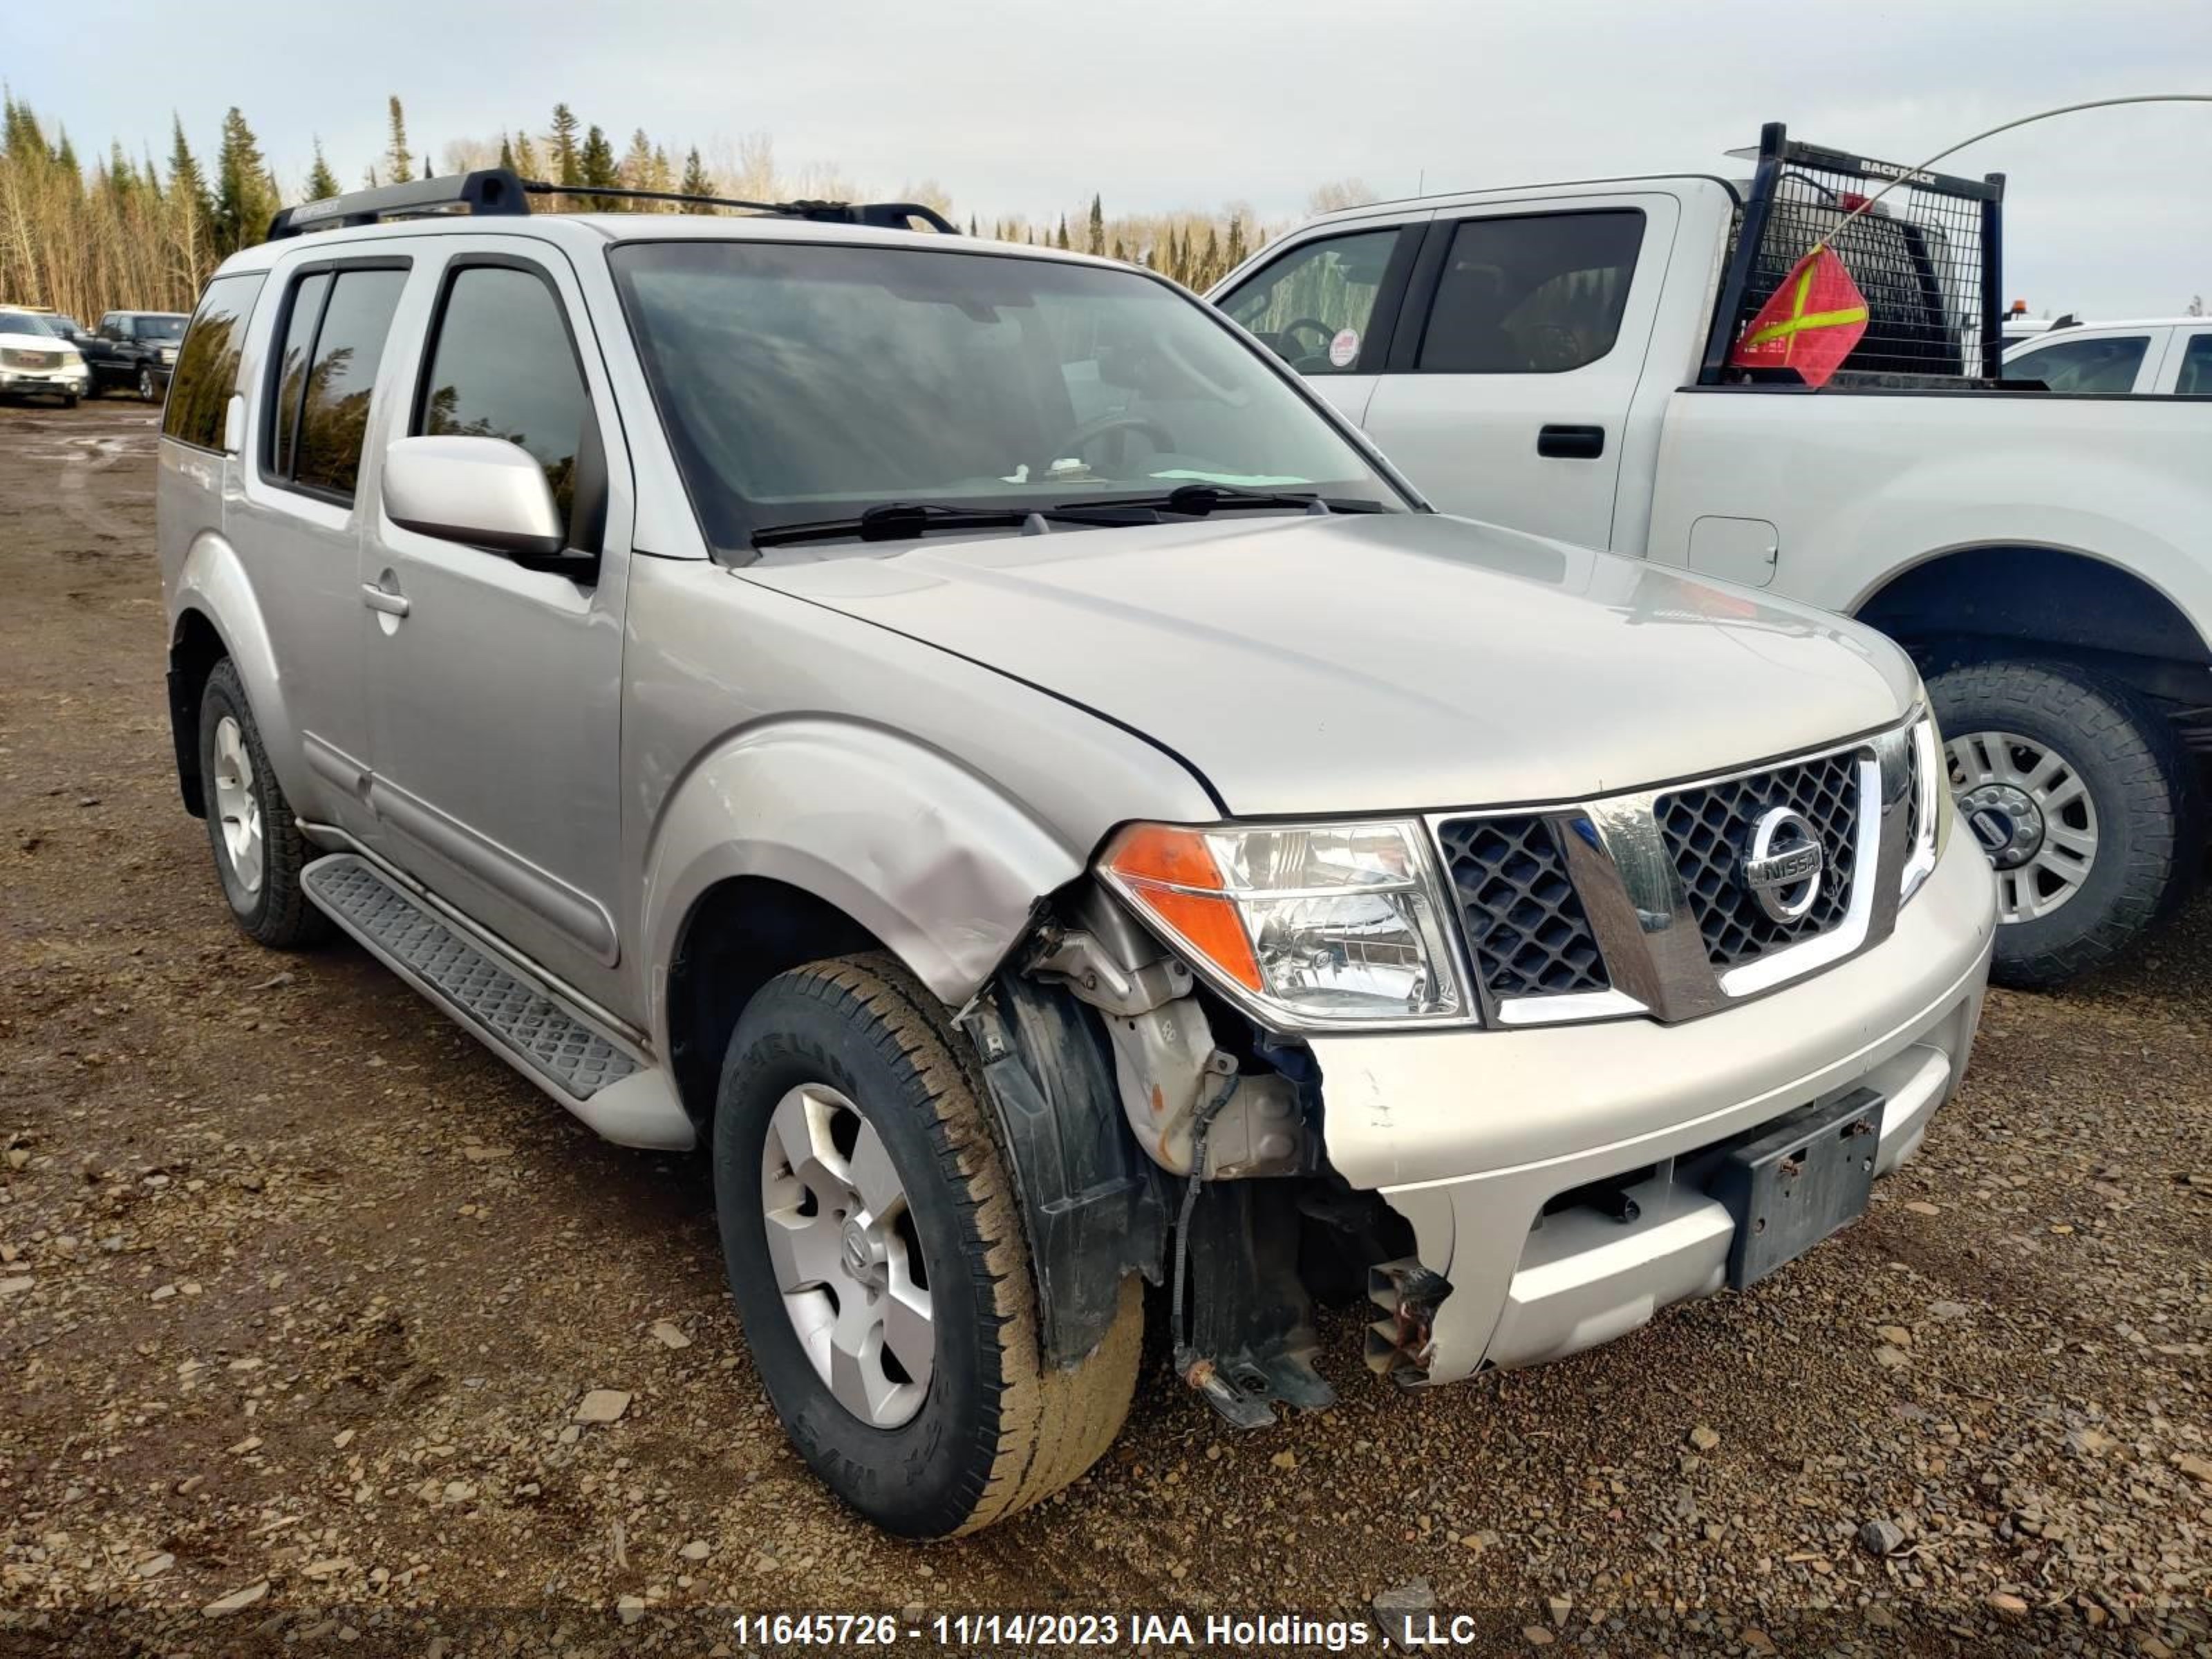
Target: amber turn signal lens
{"x":1171,"y":874}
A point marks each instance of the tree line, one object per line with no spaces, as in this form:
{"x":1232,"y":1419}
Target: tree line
{"x":134,"y":232}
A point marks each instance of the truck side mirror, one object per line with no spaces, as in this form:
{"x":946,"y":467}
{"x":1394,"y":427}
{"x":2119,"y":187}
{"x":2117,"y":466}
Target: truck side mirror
{"x":486,"y":492}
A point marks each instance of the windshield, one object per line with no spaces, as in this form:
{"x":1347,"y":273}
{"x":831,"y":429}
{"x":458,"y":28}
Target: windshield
{"x":802,"y":382}
{"x":148,"y":326}
{"x":24,"y":322}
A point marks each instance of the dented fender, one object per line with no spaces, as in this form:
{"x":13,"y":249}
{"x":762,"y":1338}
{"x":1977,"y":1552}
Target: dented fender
{"x":942,"y":867}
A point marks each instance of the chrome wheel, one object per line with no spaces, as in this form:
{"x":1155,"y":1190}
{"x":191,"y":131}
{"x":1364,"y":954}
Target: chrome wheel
{"x":238,"y":804}
{"x":2029,"y":808}
{"x":842,"y":1242}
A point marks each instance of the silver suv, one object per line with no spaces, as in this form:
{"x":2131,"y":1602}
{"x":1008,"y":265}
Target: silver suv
{"x":960,"y":734}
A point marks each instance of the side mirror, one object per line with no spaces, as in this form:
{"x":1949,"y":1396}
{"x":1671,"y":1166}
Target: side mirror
{"x":485,"y":491}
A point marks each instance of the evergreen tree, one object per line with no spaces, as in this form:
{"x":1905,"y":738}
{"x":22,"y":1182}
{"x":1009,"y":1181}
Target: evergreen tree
{"x":636,"y":168}
{"x":1235,"y":256}
{"x":1096,"y":243}
{"x":1120,"y":252}
{"x":971,"y":224}
{"x":1062,"y":241}
{"x":1175,"y":256}
{"x":567,"y":163}
{"x":244,"y":200}
{"x":526,"y":155}
{"x":1210,"y":267}
{"x":65,"y":157}
{"x":696,"y":182}
{"x":506,"y":153}
{"x":187,"y":185}
{"x":321,"y":181}
{"x":122,"y":177}
{"x":403,"y":164}
{"x":663,"y":176}
{"x":596,"y":162}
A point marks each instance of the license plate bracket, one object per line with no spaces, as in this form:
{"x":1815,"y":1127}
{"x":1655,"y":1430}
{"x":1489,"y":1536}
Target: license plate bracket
{"x":1800,"y":1179}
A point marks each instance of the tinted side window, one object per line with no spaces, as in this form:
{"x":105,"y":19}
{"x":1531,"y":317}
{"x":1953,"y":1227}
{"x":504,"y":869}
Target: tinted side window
{"x":2106,"y":366}
{"x":206,"y":373}
{"x":1533,"y":296}
{"x":2195,"y":376}
{"x":1313,"y":305}
{"x":501,"y":366}
{"x":292,"y":370}
{"x":332,"y":411}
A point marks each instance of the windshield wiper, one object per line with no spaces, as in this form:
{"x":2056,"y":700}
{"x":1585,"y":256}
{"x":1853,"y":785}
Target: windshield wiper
{"x":900,"y":522}
{"x":1198,"y":500}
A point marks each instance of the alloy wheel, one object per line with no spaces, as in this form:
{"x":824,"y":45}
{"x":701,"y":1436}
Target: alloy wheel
{"x":847,"y":1259}
{"x":2029,"y":808}
{"x":238,"y":804}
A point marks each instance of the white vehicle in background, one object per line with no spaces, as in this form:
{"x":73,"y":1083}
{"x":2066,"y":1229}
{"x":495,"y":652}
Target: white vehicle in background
{"x":2157,"y":355}
{"x":36,"y":361}
{"x":1556,"y":358}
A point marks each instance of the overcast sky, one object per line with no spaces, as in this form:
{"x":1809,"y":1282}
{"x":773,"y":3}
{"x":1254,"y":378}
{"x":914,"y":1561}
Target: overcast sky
{"x":1158,"y":104}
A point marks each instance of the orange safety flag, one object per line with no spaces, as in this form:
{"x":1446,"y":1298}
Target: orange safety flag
{"x":1810,"y":323}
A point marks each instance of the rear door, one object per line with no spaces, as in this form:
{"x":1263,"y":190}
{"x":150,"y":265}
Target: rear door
{"x":1522,"y":340}
{"x":1326,"y":305}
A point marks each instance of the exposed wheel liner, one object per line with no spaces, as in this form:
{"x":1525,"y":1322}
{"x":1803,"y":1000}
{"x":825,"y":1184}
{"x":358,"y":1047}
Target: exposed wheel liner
{"x":2140,"y":781}
{"x":999,"y":1429}
{"x":279,"y":913}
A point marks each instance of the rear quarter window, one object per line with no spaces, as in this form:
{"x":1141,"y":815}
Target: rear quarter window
{"x":206,"y":373}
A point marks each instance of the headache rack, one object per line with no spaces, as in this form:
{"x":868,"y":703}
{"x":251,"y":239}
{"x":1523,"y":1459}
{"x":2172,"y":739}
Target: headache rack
{"x":1926,"y":257}
{"x":500,"y":191}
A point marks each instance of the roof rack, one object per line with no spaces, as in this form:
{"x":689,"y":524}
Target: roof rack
{"x":502,"y":191}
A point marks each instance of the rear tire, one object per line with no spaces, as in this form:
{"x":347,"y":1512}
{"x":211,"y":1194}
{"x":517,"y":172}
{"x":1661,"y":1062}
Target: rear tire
{"x":994,"y":1429}
{"x":147,"y":392}
{"x":2087,"y":804}
{"x":259,"y":850}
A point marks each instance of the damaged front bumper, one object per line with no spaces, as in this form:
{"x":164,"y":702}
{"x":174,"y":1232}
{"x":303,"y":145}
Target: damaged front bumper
{"x":1551,"y":1176}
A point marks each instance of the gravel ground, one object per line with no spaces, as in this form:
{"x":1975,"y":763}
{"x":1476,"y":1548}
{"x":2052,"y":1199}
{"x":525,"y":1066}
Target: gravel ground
{"x":301,"y":1292}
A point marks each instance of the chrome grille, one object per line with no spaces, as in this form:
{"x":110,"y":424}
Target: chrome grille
{"x":1525,"y":923}
{"x":1707,"y":829}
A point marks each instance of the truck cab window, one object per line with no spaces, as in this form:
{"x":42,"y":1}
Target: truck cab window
{"x":2106,"y":367}
{"x":1312,"y":307}
{"x":1538,"y":294}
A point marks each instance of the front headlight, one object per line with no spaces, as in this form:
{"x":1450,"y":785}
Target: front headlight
{"x":1313,"y":925}
{"x":1933,"y":810}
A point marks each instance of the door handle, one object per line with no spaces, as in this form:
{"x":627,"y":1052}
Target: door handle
{"x":1572,"y":443}
{"x":378,"y":599}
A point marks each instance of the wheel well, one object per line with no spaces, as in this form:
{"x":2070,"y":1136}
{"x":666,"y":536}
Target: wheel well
{"x":1954,"y":608}
{"x":193,"y":654}
{"x":740,"y":934}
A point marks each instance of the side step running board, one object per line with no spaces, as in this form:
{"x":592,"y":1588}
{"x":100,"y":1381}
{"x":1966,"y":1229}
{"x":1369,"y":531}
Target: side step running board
{"x":616,"y":1093}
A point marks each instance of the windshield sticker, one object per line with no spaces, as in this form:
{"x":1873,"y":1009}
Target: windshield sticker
{"x":1344,"y":350}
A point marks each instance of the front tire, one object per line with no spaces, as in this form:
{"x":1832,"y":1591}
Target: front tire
{"x":259,"y":850}
{"x":2082,"y":794}
{"x":893,"y":1319}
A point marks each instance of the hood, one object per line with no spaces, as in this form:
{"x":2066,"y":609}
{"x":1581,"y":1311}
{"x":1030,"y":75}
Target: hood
{"x":1385,"y":662}
{"x":37,"y":342}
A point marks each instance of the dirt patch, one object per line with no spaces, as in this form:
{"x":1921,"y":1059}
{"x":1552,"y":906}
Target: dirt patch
{"x":300,"y":1289}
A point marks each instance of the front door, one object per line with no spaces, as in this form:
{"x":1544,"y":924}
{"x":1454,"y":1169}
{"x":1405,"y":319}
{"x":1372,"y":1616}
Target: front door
{"x":1529,"y":332}
{"x":494,"y":691}
{"x":1325,"y":305}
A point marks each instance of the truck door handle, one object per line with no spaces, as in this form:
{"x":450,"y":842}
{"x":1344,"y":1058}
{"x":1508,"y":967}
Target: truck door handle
{"x":1573,"y":443}
{"x":378,"y":598}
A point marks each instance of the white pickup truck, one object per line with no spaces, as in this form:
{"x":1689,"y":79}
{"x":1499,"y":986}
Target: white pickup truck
{"x":1556,"y":358}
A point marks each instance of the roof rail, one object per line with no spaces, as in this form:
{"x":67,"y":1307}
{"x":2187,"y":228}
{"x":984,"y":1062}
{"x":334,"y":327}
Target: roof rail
{"x":500,"y":191}
{"x":488,"y":190}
